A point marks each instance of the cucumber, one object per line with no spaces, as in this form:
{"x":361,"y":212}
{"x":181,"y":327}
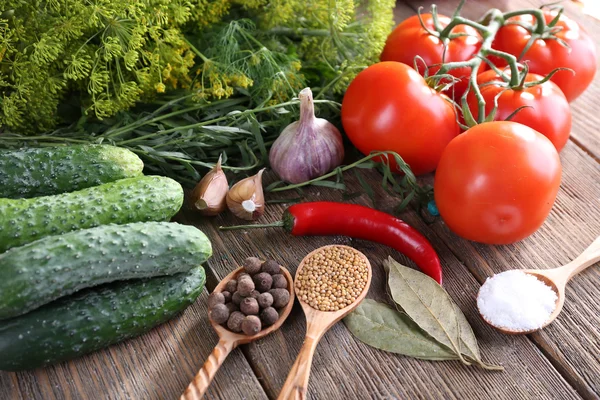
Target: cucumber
{"x":56,"y":266}
{"x":46,"y":171}
{"x":94,"y":319}
{"x":145,"y":198}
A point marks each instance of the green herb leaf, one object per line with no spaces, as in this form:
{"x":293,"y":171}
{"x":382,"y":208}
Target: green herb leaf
{"x":384,"y":328}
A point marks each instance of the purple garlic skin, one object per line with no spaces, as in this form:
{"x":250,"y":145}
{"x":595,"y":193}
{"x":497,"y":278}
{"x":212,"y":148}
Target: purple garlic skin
{"x":308,"y":148}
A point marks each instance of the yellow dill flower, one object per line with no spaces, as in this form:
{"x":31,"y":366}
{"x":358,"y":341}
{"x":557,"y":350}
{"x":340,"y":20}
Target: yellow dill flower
{"x":160,"y":87}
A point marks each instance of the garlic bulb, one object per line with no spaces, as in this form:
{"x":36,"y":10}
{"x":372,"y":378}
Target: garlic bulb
{"x":245,"y":199}
{"x":308,"y":148}
{"x":209,"y":194}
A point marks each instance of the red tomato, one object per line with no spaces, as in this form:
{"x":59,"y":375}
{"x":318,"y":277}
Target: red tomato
{"x":547,"y":109}
{"x":497,"y":182}
{"x":548,"y":54}
{"x":389,"y":107}
{"x":409,"y":40}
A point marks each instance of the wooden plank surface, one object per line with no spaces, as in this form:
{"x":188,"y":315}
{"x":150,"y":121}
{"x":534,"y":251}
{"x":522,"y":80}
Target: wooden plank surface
{"x":561,"y":362}
{"x":342,"y":364}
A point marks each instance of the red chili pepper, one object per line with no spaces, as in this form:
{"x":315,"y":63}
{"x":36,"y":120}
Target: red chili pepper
{"x":323,"y":218}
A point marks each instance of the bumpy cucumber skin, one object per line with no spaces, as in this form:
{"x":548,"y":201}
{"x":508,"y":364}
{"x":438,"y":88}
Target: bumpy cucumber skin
{"x":57,"y":266}
{"x":94,"y":319}
{"x":144,"y":198}
{"x":53,"y":170}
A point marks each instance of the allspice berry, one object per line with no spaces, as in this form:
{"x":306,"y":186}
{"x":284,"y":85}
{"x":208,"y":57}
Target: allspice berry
{"x":232,"y":307}
{"x":249,"y":306}
{"x":271,"y":267}
{"x":237,"y":298}
{"x":219,"y":313}
{"x":251,"y":325}
{"x":269,"y":316}
{"x":265,"y":300}
{"x":245,"y":286}
{"x":279,"y":282}
{"x":234,"y":323}
{"x":280,"y":297}
{"x":231,"y":286}
{"x":226,"y":296}
{"x":252,"y":265}
{"x":263,"y":281}
{"x":215,"y":298}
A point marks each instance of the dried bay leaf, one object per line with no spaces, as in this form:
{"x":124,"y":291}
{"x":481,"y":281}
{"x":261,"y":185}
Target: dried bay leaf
{"x":384,"y":328}
{"x":426,"y":303}
{"x":434,"y":311}
{"x":468,"y":342}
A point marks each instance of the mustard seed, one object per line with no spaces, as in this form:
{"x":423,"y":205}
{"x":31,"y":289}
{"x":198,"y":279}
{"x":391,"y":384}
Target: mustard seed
{"x":332,"y":278}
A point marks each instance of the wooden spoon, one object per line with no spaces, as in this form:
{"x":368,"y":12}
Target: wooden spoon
{"x":229,"y":340}
{"x":557,"y":279}
{"x":317,"y":323}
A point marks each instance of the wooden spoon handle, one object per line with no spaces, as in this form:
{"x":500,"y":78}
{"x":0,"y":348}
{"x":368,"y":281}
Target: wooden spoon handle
{"x":201,"y":381}
{"x":296,"y":384}
{"x":590,"y":256}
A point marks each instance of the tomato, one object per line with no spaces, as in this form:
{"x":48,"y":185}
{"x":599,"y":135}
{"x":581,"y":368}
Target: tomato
{"x":497,"y":182}
{"x":548,"y":54}
{"x":547,"y":109}
{"x":409,"y":40}
{"x":389,"y":107}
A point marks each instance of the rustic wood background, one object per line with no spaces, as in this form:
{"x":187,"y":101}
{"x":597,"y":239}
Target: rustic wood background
{"x":562,"y":361}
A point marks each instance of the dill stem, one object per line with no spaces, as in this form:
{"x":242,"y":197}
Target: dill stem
{"x":137,"y":124}
{"x":330,"y":174}
{"x":219,"y":119}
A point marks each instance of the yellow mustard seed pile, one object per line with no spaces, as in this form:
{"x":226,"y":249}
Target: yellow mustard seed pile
{"x":331,"y":279}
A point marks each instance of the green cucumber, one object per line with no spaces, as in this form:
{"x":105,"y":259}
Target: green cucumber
{"x":46,"y":171}
{"x":94,"y":319}
{"x":144,"y":198}
{"x":57,"y":266}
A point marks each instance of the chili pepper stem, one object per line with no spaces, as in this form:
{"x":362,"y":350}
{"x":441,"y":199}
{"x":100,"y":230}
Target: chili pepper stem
{"x":278,"y":224}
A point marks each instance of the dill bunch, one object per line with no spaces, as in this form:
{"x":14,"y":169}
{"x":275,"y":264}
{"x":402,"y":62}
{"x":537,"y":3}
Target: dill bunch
{"x":61,"y":58}
{"x":229,"y":91}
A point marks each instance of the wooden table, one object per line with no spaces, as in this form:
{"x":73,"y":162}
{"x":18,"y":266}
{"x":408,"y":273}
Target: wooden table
{"x":562,"y":361}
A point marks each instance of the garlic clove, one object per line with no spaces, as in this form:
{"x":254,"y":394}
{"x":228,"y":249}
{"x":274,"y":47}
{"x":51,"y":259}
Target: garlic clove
{"x":246,"y":199}
{"x":209,"y":195}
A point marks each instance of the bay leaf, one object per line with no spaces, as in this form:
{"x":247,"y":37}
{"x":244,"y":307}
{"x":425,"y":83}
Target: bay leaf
{"x":384,"y":328}
{"x":468,"y":342}
{"x":426,"y":303}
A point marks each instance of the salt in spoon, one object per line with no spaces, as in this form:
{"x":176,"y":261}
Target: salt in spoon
{"x":229,"y":340}
{"x":557,"y":279}
{"x":317,"y":323}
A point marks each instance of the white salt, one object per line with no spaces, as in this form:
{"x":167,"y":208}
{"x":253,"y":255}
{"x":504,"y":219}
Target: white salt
{"x":516,"y":301}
